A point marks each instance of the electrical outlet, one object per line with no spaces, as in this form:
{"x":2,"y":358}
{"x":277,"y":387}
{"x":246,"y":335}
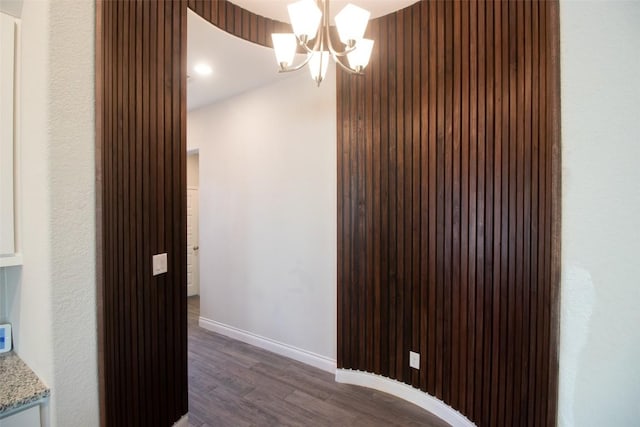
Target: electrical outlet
{"x":414,"y":360}
{"x":159,"y":264}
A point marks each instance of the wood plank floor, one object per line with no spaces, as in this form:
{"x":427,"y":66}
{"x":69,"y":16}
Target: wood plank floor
{"x":235,"y":384}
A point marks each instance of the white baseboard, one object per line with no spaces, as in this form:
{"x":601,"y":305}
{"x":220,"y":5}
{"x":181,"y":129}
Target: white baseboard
{"x":182,"y":422}
{"x":404,"y":391}
{"x":295,"y":353}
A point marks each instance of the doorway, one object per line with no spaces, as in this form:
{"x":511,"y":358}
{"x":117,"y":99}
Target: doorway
{"x":193,"y":224}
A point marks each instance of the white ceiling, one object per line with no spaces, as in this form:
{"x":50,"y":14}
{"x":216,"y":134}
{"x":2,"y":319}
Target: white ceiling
{"x":239,"y":65}
{"x":277,"y":9}
{"x":11,"y":7}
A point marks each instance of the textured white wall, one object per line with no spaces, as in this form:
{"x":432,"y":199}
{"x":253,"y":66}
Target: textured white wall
{"x":268,"y":212}
{"x":72,"y":142}
{"x":600,"y":319}
{"x":52,"y":297}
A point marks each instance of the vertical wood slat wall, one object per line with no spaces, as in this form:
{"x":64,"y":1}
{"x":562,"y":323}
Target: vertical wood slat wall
{"x":141,"y":210}
{"x":141,"y":94}
{"x":448,"y":207}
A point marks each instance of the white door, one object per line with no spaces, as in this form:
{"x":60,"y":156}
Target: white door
{"x":193,"y":258}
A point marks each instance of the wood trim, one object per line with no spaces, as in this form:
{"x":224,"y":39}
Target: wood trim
{"x":99,"y":135}
{"x":405,"y":392}
{"x":556,"y":210}
{"x":305,"y":356}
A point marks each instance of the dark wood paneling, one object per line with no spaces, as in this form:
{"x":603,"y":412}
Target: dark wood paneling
{"x":141,"y":146}
{"x":141,"y":205}
{"x":448,"y":207}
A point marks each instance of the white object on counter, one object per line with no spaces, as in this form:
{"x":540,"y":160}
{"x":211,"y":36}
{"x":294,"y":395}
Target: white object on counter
{"x":5,"y":338}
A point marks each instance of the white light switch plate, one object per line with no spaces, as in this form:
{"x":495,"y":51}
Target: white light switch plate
{"x":159,"y":264}
{"x":414,"y":360}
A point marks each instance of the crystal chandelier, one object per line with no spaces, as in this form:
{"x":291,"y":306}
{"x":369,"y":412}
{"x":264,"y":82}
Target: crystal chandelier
{"x":311,"y":33}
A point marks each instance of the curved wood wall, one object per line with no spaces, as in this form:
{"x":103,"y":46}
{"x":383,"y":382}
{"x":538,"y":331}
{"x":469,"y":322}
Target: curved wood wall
{"x":141,"y":200}
{"x":141,"y":167}
{"x":448,"y":207}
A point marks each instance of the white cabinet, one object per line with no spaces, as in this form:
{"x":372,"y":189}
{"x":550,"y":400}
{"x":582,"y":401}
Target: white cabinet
{"x":9,"y":242}
{"x":27,"y":418}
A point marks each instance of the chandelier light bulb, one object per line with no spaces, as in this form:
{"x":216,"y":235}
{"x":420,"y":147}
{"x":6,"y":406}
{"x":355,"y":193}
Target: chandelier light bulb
{"x":352,"y":23}
{"x":318,"y":64}
{"x":359,"y":57}
{"x":305,"y":19}
{"x":285,"y":46}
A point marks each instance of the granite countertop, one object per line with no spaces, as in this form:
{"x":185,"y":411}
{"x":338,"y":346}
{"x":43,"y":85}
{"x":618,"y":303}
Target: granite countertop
{"x":19,"y":386}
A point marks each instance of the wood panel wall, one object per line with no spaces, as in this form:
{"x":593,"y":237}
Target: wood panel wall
{"x":141,"y":200}
{"x":141,"y":163}
{"x":448,"y":207}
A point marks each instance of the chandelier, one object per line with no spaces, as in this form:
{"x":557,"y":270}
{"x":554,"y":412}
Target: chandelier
{"x":311,"y":33}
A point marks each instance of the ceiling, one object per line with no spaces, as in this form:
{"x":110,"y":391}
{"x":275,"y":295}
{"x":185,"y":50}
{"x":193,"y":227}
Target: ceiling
{"x":277,"y":9}
{"x":238,"y":65}
{"x":11,"y":7}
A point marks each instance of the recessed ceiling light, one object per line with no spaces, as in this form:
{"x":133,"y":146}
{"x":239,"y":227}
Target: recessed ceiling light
{"x":202,"y":69}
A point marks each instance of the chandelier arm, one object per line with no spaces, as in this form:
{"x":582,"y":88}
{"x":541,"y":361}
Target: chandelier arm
{"x":310,"y":52}
{"x":325,"y":25}
{"x":296,"y":67}
{"x":305,"y":44}
{"x":345,"y":52}
{"x":346,"y":67}
{"x":326,"y":17}
{"x":335,"y":52}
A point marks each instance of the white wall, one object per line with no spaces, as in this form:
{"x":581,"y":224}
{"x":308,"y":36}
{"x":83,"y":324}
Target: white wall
{"x":51,"y":299}
{"x":268,"y":212}
{"x":600,"y":319}
{"x":29,"y":287}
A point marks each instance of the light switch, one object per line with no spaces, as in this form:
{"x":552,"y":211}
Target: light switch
{"x":159,"y":264}
{"x":414,"y":360}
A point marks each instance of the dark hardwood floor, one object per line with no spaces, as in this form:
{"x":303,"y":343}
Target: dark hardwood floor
{"x":235,"y":384}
